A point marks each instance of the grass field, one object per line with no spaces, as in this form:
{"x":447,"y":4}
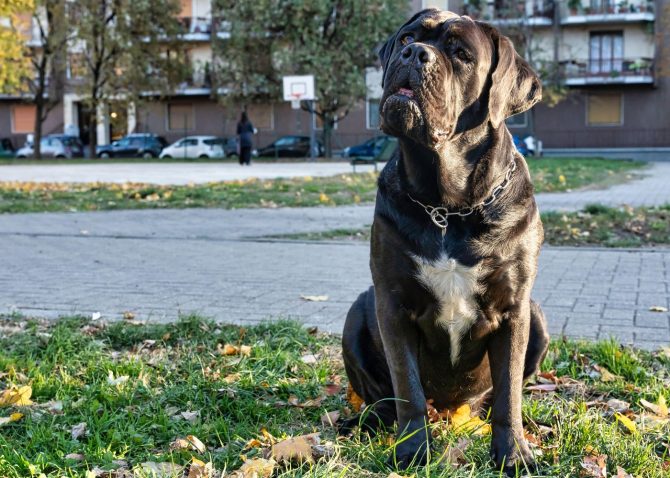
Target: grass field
{"x":17,"y":197}
{"x":596,"y":225}
{"x":130,"y":398}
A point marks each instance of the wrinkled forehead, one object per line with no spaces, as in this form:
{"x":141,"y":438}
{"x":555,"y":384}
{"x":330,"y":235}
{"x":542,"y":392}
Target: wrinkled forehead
{"x":438,"y":22}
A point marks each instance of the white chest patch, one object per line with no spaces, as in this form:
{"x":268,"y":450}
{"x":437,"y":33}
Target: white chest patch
{"x":454,"y":285}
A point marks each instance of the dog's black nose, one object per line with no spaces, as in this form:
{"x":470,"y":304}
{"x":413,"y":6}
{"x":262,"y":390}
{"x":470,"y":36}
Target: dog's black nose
{"x":416,"y":53}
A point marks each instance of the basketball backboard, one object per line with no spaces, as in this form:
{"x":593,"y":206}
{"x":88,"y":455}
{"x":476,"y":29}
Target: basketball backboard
{"x":297,"y":88}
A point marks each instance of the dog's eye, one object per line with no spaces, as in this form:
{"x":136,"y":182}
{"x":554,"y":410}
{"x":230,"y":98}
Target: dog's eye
{"x":462,"y":55}
{"x":407,"y":39}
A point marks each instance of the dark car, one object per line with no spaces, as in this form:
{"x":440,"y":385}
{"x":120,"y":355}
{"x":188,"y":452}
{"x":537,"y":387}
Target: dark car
{"x":229,"y":146}
{"x":520,"y":145}
{"x":290,"y":147}
{"x":133,"y":146}
{"x":55,"y":146}
{"x":370,"y":148}
{"x":6,"y":148}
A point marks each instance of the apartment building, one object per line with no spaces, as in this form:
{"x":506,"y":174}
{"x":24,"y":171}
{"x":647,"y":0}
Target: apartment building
{"x":610,"y":58}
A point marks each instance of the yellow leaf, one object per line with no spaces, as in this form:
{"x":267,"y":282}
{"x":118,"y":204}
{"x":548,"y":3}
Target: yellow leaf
{"x":323,"y":198}
{"x":660,"y":408}
{"x":200,"y":469}
{"x":297,"y":448}
{"x":256,"y":468}
{"x":16,"y":396}
{"x":461,"y":420}
{"x":14,"y":417}
{"x":626,"y":422}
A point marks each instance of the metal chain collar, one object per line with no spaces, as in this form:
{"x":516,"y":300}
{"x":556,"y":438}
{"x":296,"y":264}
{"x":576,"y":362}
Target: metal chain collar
{"x":440,"y":215}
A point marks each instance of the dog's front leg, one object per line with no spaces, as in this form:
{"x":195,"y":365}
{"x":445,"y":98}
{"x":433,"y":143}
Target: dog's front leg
{"x":400,"y":337}
{"x":507,"y":352}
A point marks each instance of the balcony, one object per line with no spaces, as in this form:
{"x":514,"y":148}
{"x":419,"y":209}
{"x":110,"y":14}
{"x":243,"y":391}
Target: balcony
{"x":505,"y":13}
{"x":611,"y":71}
{"x":196,"y":28}
{"x":576,"y":12}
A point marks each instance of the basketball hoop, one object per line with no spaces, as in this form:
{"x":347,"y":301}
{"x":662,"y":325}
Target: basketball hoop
{"x":295,"y":102}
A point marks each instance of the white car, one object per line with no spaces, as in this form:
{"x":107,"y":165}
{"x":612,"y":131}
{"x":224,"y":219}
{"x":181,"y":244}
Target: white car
{"x":195,"y":147}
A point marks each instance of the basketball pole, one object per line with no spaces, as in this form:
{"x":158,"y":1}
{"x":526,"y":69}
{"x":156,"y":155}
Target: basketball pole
{"x":312,"y":132}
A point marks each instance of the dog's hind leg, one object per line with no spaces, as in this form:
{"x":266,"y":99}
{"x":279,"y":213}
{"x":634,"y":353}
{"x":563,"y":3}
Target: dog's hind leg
{"x":538,"y":341}
{"x":366,"y":366}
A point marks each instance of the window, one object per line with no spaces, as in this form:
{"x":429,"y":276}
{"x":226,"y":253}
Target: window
{"x":373,"y":113}
{"x":605,"y":53}
{"x":261,"y":116}
{"x":518,"y":121}
{"x":180,"y":117}
{"x":23,"y":119}
{"x":604,"y":110}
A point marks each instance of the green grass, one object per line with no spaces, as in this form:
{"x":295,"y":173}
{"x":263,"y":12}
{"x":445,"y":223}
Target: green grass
{"x":549,"y":174}
{"x":175,"y":368}
{"x":596,"y":225}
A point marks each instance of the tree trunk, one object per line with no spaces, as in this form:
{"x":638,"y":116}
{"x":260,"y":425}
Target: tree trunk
{"x":92,"y":125}
{"x":37,"y":135}
{"x":328,"y":124}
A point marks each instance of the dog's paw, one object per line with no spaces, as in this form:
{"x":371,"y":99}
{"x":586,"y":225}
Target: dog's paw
{"x":510,"y":452}
{"x":410,"y":451}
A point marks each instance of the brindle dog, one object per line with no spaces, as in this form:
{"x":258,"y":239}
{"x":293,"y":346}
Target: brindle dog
{"x":455,"y":241}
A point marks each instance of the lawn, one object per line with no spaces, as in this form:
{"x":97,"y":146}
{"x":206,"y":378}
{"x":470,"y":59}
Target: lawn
{"x":549,"y":174}
{"x":596,"y":225}
{"x":128,"y":399}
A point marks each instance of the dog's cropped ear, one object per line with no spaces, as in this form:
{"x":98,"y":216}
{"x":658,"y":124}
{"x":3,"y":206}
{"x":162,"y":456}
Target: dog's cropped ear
{"x":515,"y":87}
{"x":386,"y":49}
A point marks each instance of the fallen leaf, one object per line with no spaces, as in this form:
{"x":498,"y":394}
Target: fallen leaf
{"x":14,"y":417}
{"x":607,"y":376}
{"x":190,"y":416}
{"x":75,"y":456}
{"x":330,"y":419}
{"x":461,"y":420}
{"x":230,"y":349}
{"x":658,"y":308}
{"x":314,"y":298}
{"x":355,"y":400}
{"x":256,"y":468}
{"x":231,"y":377}
{"x":16,"y":396}
{"x":191,"y":442}
{"x":332,"y":389}
{"x":297,"y":448}
{"x":309,"y":359}
{"x":128,"y":315}
{"x":396,"y":475}
{"x":161,"y":470}
{"x":594,"y":466}
{"x":96,"y":315}
{"x":196,"y":443}
{"x":618,"y":405}
{"x":116,"y":381}
{"x":455,"y":454}
{"x":660,"y":408}
{"x":543,"y":387}
{"x":200,"y":469}
{"x":627,"y":423}
{"x":78,"y":430}
{"x":621,"y":473}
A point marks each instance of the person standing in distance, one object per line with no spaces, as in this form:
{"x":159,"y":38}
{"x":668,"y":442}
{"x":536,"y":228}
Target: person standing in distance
{"x":245,"y":130}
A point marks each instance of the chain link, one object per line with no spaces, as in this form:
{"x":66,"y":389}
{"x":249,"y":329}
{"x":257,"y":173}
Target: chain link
{"x":440,"y":215}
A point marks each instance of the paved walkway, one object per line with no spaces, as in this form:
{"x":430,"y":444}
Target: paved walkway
{"x":214,"y":262}
{"x":167,"y":173}
{"x":162,"y":263}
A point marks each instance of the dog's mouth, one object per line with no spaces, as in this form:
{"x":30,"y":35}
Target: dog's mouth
{"x":405,"y":92}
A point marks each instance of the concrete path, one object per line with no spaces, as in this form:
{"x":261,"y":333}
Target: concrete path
{"x":167,"y":173}
{"x":162,"y":263}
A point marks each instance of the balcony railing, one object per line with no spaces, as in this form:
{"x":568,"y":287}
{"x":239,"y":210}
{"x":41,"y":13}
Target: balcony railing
{"x":601,"y":71}
{"x":196,"y":28}
{"x":532,"y":12}
{"x":607,"y":11}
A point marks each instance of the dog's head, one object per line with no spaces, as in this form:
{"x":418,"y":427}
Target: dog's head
{"x":445,"y":74}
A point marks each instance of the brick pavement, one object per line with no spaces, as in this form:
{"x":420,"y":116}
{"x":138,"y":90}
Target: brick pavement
{"x":161,"y":263}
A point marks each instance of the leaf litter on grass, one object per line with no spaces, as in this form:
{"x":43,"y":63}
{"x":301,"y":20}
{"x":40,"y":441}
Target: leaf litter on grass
{"x":184,"y":373}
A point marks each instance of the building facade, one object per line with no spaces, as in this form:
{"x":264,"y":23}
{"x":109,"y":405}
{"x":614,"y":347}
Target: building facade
{"x":613,"y":59}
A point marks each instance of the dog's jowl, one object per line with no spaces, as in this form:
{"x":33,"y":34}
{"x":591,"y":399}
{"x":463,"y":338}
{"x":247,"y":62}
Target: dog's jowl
{"x":455,"y":241}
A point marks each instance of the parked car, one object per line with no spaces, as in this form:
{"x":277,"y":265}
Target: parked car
{"x":54,"y":146}
{"x":195,"y":147}
{"x":290,"y":147}
{"x":138,"y":145}
{"x":520,"y":145}
{"x":6,"y":148}
{"x":369,"y":148}
{"x":229,"y":146}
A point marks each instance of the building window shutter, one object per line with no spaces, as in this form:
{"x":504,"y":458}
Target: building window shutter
{"x":180,"y":117}
{"x":261,"y":116}
{"x":23,"y":119}
{"x":604,"y":109}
